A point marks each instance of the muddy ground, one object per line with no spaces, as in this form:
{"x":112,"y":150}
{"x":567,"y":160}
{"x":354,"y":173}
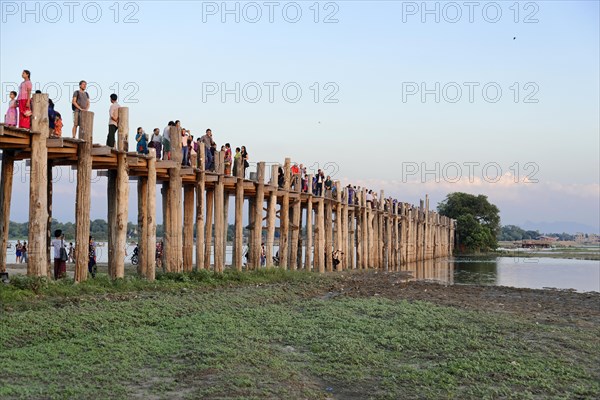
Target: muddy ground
{"x":563,"y":307}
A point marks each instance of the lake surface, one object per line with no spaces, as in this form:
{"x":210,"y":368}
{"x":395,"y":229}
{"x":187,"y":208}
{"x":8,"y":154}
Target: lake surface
{"x":521,"y":272}
{"x":534,"y":273}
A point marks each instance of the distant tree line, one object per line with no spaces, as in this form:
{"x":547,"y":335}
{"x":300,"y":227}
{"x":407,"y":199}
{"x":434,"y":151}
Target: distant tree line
{"x":513,"y":232}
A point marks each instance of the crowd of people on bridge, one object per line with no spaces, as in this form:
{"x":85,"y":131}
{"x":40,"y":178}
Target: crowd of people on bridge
{"x":20,"y":110}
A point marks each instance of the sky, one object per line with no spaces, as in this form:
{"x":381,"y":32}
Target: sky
{"x":413,"y":98}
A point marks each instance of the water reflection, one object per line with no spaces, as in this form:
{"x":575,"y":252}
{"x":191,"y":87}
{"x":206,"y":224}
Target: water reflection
{"x":538,"y":273}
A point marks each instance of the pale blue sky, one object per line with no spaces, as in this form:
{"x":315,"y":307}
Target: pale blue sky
{"x":369,"y":55}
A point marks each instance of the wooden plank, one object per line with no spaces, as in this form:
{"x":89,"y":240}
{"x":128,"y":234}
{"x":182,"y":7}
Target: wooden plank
{"x":38,"y":195}
{"x":99,"y":150}
{"x":82,"y":195}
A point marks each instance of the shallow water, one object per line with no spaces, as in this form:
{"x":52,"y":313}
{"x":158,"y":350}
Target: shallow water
{"x":534,"y":273}
{"x":522,"y":272}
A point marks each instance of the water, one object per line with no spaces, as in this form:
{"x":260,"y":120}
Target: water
{"x":533,"y":273}
{"x":521,"y":272}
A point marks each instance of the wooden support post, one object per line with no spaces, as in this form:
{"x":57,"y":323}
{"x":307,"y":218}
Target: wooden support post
{"x":210,"y":200}
{"x":328,"y":234}
{"x":271,"y":215}
{"x":143,"y":251}
{"x":122,"y":203}
{"x":364,"y":231}
{"x":151,"y":221}
{"x":320,"y":247}
{"x":308,"y":263}
{"x":49,"y":251}
{"x":200,"y":193}
{"x":188,"y":227}
{"x":358,"y":240}
{"x":395,"y":237}
{"x":284,"y":223}
{"x":167,"y":227}
{"x":251,"y":218}
{"x":352,"y":233}
{"x":296,"y":228}
{"x":38,"y":196}
{"x":338,"y":223}
{"x":200,"y":239}
{"x":255,"y":251}
{"x":344,"y":220}
{"x":225,"y":223}
{"x":111,"y":189}
{"x":219,"y":223}
{"x":6,"y":180}
{"x":388,"y":237}
{"x":238,"y":241}
{"x":174,"y":242}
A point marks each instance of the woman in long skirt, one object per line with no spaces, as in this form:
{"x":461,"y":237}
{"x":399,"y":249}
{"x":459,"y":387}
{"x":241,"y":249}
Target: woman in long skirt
{"x":24,"y":101}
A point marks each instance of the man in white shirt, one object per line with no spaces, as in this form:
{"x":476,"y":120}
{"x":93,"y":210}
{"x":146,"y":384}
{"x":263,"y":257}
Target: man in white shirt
{"x":113,"y":120}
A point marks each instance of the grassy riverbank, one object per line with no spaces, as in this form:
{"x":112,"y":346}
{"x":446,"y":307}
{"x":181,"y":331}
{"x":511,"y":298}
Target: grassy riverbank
{"x":276,"y":334}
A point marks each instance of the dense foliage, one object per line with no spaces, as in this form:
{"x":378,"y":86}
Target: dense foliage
{"x":478,"y":221}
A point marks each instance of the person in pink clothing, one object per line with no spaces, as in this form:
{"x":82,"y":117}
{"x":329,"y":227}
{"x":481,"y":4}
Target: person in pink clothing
{"x":24,"y":100}
{"x":10,"y":119}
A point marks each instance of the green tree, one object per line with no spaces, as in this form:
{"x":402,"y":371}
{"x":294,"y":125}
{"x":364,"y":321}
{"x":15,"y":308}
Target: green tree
{"x":478,"y":221}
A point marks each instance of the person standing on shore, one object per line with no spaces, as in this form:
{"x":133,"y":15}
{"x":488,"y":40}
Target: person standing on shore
{"x":24,"y":100}
{"x":113,"y":120}
{"x":80,"y":102}
{"x":18,"y":253}
{"x":60,"y":266}
{"x":92,"y":267}
{"x":24,"y":252}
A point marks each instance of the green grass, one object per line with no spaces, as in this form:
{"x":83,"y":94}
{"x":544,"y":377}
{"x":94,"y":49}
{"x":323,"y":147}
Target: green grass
{"x":260,"y":335}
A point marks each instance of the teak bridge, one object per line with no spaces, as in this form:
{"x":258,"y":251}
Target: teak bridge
{"x":385,"y":237}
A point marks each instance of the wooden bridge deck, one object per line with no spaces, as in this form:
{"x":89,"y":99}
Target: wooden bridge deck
{"x":384,"y":237}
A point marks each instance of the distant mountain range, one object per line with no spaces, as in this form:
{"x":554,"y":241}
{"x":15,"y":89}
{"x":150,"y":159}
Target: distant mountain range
{"x":559,"y":227}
